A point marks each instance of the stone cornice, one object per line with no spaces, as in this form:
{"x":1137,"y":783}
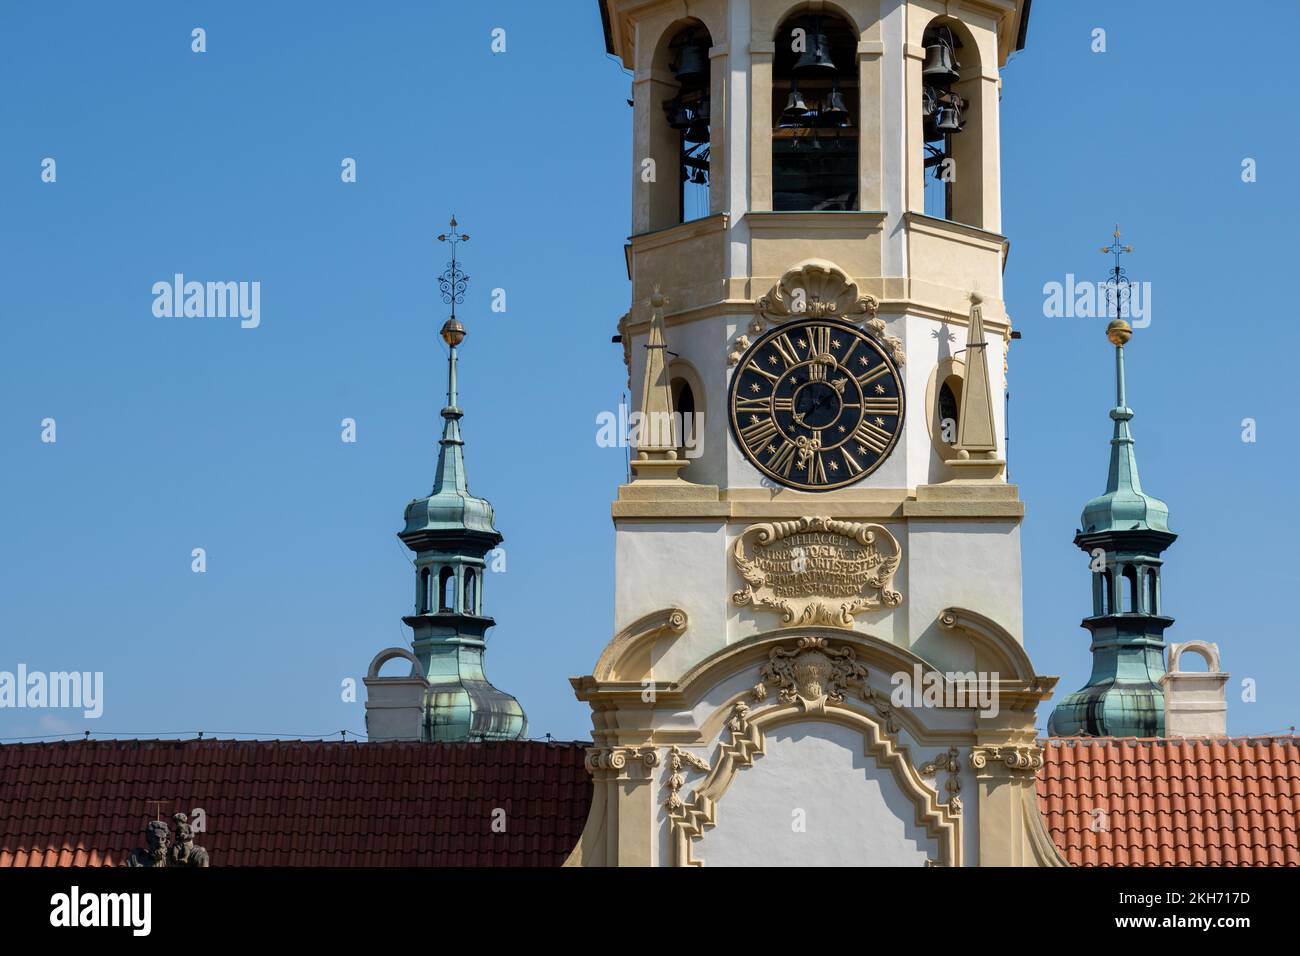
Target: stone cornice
{"x":991,"y":501}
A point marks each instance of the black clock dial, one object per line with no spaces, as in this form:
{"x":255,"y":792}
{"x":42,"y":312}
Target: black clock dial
{"x":816,"y":404}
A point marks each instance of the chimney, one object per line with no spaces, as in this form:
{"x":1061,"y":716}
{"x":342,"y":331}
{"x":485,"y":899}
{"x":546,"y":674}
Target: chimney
{"x":394,"y":705}
{"x":1195,"y":703}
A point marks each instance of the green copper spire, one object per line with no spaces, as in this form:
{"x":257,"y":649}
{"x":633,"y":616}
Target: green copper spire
{"x":451,"y":533}
{"x":1125,"y":531}
{"x":1124,"y":506}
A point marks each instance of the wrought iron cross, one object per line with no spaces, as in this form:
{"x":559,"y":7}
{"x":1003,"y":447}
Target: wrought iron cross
{"x":453,"y":281}
{"x":1119,"y":282}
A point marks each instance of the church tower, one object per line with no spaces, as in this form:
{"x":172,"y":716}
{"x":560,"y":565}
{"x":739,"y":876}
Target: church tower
{"x":1124,"y":531}
{"x":817,"y":556}
{"x":451,"y":532}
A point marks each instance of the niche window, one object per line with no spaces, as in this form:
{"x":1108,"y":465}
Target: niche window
{"x":941,"y":119}
{"x":688,"y":117}
{"x":814,"y":100}
{"x":684,"y":407}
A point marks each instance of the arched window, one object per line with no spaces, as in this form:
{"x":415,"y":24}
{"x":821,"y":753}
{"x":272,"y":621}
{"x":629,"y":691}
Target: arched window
{"x":684,"y":126}
{"x":425,"y":600}
{"x":471,"y":592}
{"x":1133,"y":594}
{"x":688,"y":436}
{"x":948,"y":409}
{"x":1107,"y":604}
{"x":446,"y":590}
{"x":1153,"y":591}
{"x":814,"y":108}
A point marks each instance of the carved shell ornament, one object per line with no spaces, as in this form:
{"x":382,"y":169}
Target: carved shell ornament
{"x":816,"y":288}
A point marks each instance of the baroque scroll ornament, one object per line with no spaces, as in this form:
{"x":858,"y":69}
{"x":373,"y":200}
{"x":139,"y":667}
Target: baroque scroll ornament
{"x":819,"y":289}
{"x":817,"y":570}
{"x":811,"y":673}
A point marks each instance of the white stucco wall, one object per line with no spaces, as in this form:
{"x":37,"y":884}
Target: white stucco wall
{"x":852,"y":810}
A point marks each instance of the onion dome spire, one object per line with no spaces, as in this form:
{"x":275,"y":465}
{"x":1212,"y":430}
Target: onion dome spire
{"x":1124,"y":532}
{"x":452,"y":532}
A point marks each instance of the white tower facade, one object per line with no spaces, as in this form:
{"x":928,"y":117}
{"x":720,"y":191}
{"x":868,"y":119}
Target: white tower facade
{"x":816,"y":267}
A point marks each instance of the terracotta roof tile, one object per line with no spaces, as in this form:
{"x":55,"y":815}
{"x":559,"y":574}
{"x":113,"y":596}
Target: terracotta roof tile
{"x":296,"y":803}
{"x":1223,"y":801}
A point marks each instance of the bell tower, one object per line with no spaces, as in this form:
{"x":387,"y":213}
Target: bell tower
{"x":817,"y":311}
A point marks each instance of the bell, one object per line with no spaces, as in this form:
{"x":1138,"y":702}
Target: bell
{"x":692,"y":65}
{"x":816,"y":57}
{"x":927,"y":102}
{"x":835,"y":113}
{"x":948,"y":120}
{"x":940,"y":65}
{"x":698,"y":177}
{"x":679,"y":117}
{"x":795,"y":110}
{"x":697,"y":134}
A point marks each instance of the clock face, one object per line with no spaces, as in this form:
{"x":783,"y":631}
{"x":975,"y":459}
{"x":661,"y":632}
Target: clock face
{"x":816,"y":404}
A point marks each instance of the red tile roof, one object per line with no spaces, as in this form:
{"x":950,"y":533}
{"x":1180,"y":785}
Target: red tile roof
{"x":1217,"y":801}
{"x":296,"y":803}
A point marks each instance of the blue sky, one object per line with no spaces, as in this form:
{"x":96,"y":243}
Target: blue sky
{"x":182,"y":433}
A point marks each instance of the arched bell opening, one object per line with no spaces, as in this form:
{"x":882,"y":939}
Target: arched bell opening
{"x":952,"y":93}
{"x":815,"y":112}
{"x":471,"y":592}
{"x":446,"y":590}
{"x":682,"y":126}
{"x":1133,"y":602}
{"x":424,"y":600}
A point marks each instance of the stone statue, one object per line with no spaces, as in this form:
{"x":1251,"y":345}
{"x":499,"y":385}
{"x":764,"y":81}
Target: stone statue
{"x":183,"y":852}
{"x":157,"y":835}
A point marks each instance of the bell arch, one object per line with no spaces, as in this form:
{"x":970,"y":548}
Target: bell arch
{"x":958,"y":110}
{"x":679,"y":121}
{"x":816,"y":113}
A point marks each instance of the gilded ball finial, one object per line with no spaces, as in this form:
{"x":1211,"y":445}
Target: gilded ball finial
{"x":1119,"y":332}
{"x":453,"y":333}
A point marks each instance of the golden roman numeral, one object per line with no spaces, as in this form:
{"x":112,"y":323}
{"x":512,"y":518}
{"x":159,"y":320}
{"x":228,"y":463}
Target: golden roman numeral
{"x":817,"y":473}
{"x":783,"y":345}
{"x":881,"y":406}
{"x":758,"y":432}
{"x":851,"y":463}
{"x":751,"y":405}
{"x":872,"y":437}
{"x":783,"y":459}
{"x":869,"y":376}
{"x":783,"y":404}
{"x":819,"y":341}
{"x":763,"y":372}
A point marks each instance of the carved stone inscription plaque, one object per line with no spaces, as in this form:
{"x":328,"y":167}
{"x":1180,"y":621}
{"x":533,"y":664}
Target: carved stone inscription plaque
{"x":817,"y":570}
